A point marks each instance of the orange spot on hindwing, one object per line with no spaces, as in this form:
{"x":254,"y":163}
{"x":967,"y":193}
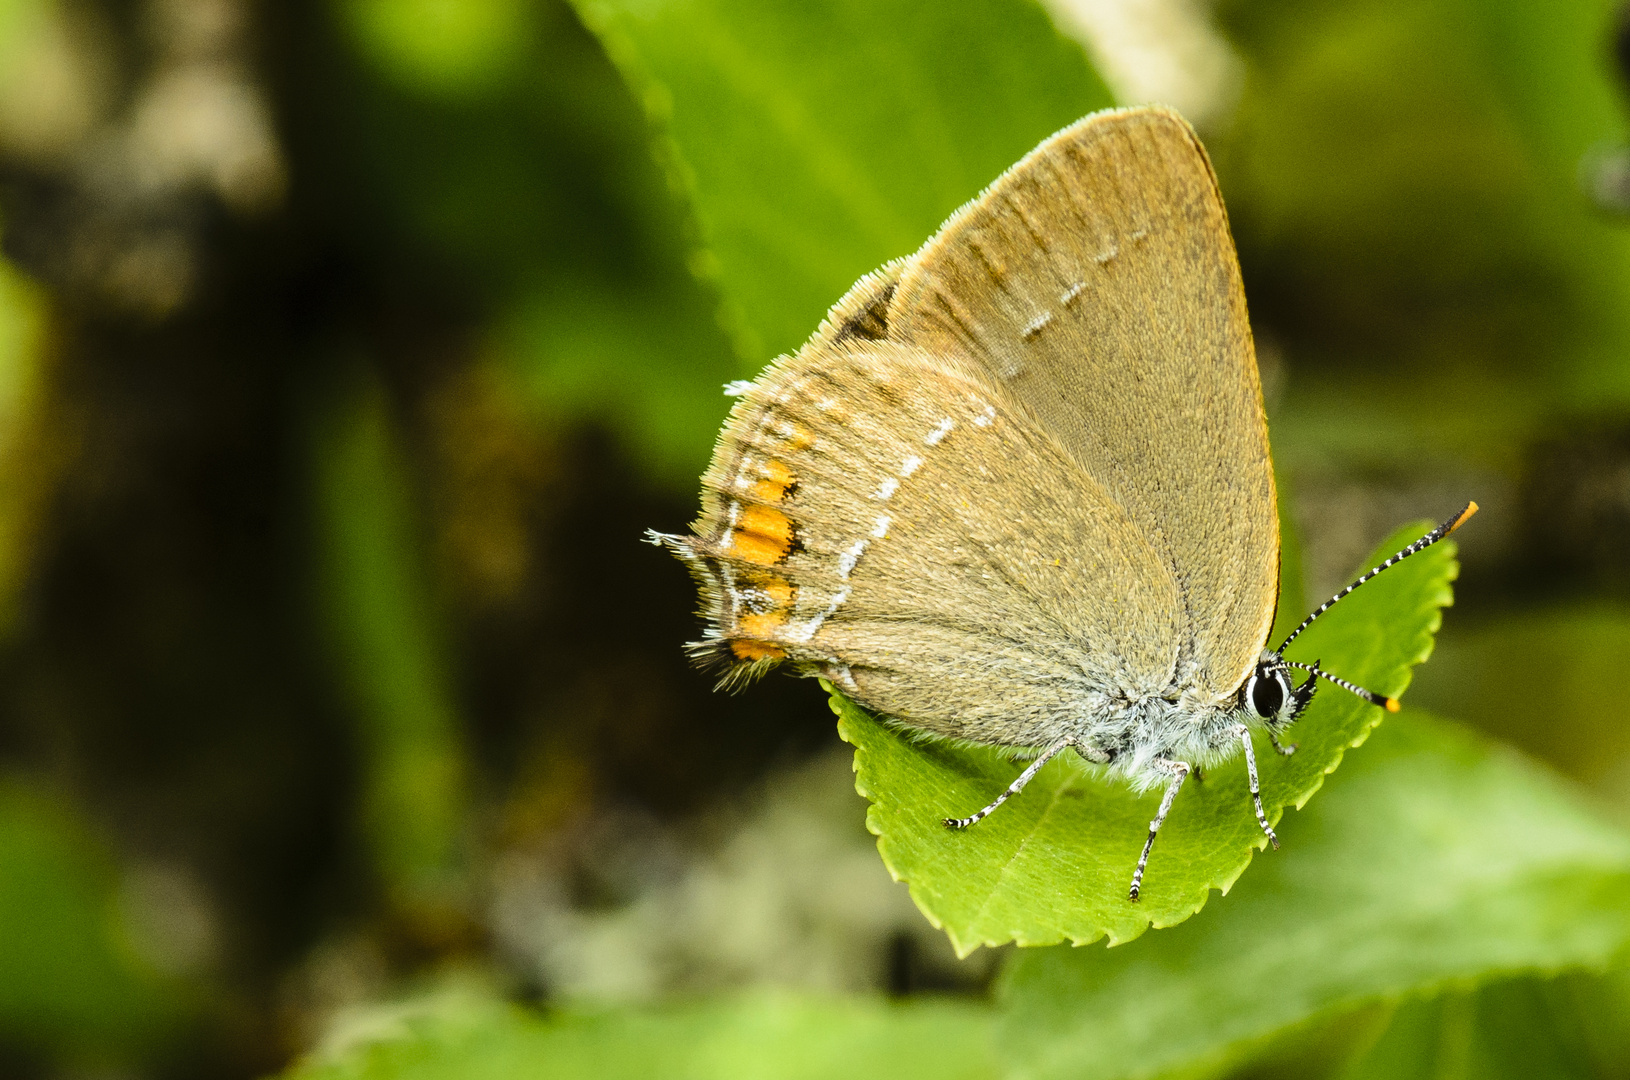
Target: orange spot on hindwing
{"x":761,"y":625}
{"x":775,"y":480}
{"x":762,"y":535}
{"x":743,"y":649}
{"x":777,"y":593}
{"x":763,"y":605}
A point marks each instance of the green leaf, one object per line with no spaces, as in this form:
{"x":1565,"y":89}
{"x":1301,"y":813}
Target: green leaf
{"x":789,"y":1038}
{"x":1054,"y":863}
{"x":1521,"y":1028}
{"x":31,"y":452}
{"x":1584,"y":728}
{"x":820,"y":138}
{"x":72,"y":984}
{"x":440,"y":48}
{"x":1435,"y":859}
{"x":383,"y":627}
{"x":1360,"y":202}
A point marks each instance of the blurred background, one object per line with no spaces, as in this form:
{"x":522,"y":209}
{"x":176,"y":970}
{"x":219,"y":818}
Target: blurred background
{"x":347,"y":347}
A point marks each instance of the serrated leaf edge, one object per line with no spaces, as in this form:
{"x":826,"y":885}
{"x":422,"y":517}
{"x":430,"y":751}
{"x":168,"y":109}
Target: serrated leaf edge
{"x":1442,"y":598}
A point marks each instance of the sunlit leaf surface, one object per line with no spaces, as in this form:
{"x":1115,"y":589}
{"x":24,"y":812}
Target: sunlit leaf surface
{"x":820,"y":140}
{"x":790,"y":1038}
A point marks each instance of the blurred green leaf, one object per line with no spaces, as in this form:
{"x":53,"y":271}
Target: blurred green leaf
{"x":1578,"y":651}
{"x":71,"y":985}
{"x":20,"y":25}
{"x":789,"y":1038}
{"x":30,"y":452}
{"x":819,"y":140}
{"x":22,"y":338}
{"x":648,"y":361}
{"x":1517,"y":1028}
{"x":509,"y":148}
{"x":382,"y":619}
{"x":442,"y":47}
{"x":1054,"y":864}
{"x":1434,"y":859}
{"x":1403,"y":236}
{"x":1597,"y":1004}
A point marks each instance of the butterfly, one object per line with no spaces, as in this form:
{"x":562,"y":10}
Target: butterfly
{"x":1016,"y":490}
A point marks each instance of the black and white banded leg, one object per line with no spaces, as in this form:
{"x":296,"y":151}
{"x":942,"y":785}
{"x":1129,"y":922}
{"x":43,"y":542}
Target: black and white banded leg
{"x":1012,"y":789}
{"x":1180,"y":772}
{"x":1244,"y":734}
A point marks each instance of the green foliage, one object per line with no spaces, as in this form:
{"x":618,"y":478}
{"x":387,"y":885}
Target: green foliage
{"x":443,"y":48}
{"x":1412,"y":233}
{"x":819,"y":140}
{"x":1053,"y":864}
{"x":792,"y":1038}
{"x":385,"y":633}
{"x":1435,"y":859}
{"x":473,"y":180}
{"x":21,"y":319}
{"x":502,"y":143}
{"x":1587,"y":718}
{"x":70,"y":982}
{"x":1519,"y":1029}
{"x":26,"y":458}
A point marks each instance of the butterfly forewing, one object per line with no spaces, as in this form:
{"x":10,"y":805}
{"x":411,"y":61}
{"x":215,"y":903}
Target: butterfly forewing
{"x":1096,"y":283}
{"x":1022,"y":476}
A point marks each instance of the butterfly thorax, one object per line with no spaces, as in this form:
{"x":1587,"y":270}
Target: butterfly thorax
{"x":1136,"y":737}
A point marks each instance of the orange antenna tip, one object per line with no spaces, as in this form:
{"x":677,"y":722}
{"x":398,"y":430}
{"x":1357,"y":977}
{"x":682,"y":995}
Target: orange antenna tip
{"x":1471,"y":508}
{"x":1391,"y":704}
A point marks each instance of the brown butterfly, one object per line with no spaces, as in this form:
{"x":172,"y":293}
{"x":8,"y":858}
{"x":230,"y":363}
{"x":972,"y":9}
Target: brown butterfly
{"x":1016,"y":490}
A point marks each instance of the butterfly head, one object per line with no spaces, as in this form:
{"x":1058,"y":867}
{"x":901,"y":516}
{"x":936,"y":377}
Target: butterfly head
{"x":1271,"y":695}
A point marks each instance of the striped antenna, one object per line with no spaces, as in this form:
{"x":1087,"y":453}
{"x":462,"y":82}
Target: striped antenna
{"x":1388,"y":703}
{"x":1420,"y":545}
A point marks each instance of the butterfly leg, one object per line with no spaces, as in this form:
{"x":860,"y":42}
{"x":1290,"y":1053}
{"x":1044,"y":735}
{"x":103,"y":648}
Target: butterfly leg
{"x":1092,"y":753}
{"x":1180,"y":771}
{"x":1244,"y":734}
{"x":1012,"y":789}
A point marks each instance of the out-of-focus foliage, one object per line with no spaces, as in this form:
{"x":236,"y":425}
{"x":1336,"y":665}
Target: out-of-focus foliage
{"x":1572,"y":646}
{"x":74,"y":980}
{"x":818,"y":141}
{"x":506,"y":149}
{"x":1404,"y":181}
{"x":29,"y":451}
{"x":760,"y":1036}
{"x":347,"y":347}
{"x":375,"y":582}
{"x":443,"y":50}
{"x":1523,"y":1028}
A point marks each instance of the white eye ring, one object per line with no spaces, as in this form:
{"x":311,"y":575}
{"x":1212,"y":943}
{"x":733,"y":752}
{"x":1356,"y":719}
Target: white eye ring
{"x":1267,"y":693}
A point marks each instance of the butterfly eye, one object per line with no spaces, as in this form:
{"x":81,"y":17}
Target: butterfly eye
{"x":1267,"y":693}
